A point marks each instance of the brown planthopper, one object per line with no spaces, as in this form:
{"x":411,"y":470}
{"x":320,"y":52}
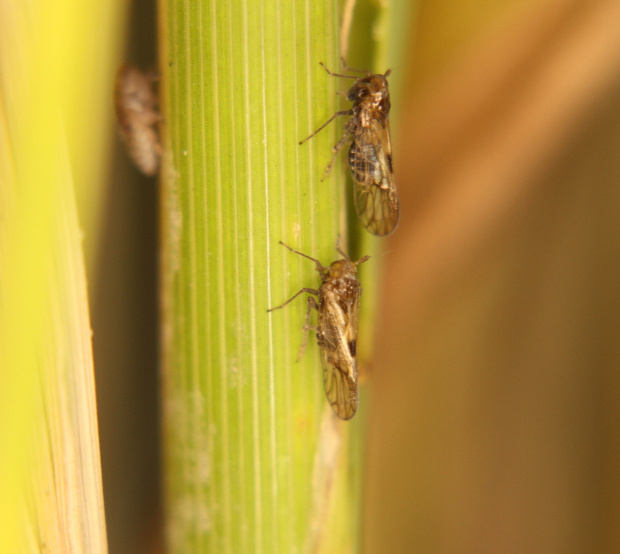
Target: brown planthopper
{"x":370,"y":155}
{"x":336,"y":332}
{"x":135,"y":103}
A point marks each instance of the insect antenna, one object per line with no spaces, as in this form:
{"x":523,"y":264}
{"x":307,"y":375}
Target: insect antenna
{"x":346,"y":256}
{"x":361,"y":260}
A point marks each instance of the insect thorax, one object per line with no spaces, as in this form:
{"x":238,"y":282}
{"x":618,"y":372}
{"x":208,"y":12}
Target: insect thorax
{"x":371,"y":99}
{"x":344,"y":289}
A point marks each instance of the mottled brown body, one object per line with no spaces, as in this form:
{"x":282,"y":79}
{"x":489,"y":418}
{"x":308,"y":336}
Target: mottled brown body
{"x":370,"y":154}
{"x":336,"y":332}
{"x":135,"y":103}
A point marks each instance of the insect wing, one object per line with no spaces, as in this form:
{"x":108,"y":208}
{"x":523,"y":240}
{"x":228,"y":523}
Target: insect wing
{"x":370,"y":159}
{"x":338,"y":323}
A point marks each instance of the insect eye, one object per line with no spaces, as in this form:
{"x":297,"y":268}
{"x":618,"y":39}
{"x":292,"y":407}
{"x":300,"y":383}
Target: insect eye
{"x":357,"y":93}
{"x":384,"y":105}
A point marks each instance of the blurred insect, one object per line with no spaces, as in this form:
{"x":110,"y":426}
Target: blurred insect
{"x":336,"y":332}
{"x":370,"y":155}
{"x":135,"y":103}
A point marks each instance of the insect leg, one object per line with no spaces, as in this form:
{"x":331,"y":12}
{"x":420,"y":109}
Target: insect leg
{"x":346,"y":67}
{"x":309,"y":291}
{"x":337,"y":114}
{"x":307,"y":327}
{"x":338,"y":74}
{"x":319,"y":267}
{"x":301,"y":254}
{"x":335,"y":150}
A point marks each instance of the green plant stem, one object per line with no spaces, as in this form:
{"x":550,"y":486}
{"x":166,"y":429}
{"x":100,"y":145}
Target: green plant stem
{"x":254,"y":460}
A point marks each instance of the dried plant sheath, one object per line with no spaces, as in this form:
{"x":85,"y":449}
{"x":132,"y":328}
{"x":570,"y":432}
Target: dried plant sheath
{"x":336,"y":333}
{"x":370,"y":155}
{"x":135,"y":103}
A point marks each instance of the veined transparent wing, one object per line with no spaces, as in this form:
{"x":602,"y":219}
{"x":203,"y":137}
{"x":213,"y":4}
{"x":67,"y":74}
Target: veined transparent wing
{"x":338,"y":325}
{"x":376,"y":198}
